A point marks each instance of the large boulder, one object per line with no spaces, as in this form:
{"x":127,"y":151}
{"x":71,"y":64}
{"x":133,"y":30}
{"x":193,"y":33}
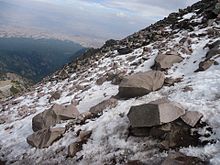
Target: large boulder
{"x":45,"y":137}
{"x":53,"y":115}
{"x":155,"y":113}
{"x":163,"y":61}
{"x":141,"y":84}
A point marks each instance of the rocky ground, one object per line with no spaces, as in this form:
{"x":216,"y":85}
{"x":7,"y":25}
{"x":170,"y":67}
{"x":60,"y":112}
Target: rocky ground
{"x":151,"y":98}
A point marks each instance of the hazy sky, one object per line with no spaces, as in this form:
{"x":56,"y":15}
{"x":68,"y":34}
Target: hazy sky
{"x":94,"y":18}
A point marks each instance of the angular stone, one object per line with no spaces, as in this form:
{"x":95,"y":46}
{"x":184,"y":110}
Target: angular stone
{"x":163,"y":62}
{"x":45,"y":137}
{"x":155,"y":113}
{"x":204,"y":65}
{"x":141,"y":84}
{"x":55,"y":96}
{"x":53,"y":115}
{"x":191,"y":118}
{"x":98,"y":109}
{"x":74,"y":148}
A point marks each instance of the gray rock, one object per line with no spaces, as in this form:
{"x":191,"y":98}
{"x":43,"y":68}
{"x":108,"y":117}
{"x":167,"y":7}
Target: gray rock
{"x":163,"y":62}
{"x":45,"y":137}
{"x":155,"y":113}
{"x":98,"y":109}
{"x":53,"y":115}
{"x":204,"y":65}
{"x":55,"y":96}
{"x":125,"y":50}
{"x":181,"y":159}
{"x":141,"y":84}
{"x":191,"y":118}
{"x":74,"y":148}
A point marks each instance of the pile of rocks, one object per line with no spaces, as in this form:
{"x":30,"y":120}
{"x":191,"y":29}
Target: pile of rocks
{"x":167,"y":121}
{"x":44,"y":135}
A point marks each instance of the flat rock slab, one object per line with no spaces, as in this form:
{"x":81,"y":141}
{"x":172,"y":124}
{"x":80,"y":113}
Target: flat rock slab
{"x":155,"y":113}
{"x":45,"y":137}
{"x":191,"y":118}
{"x":141,"y":84}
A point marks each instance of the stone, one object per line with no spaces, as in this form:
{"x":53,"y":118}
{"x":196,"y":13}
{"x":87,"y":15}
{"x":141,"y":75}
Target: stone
{"x":204,"y":65}
{"x":55,"y":96}
{"x":140,"y":84}
{"x":191,"y":118}
{"x":177,"y":158}
{"x":98,"y":109}
{"x":125,"y":50}
{"x":140,"y":131}
{"x":155,"y":113}
{"x":45,"y":137}
{"x":171,"y":81}
{"x":53,"y":115}
{"x":101,"y":80}
{"x":163,"y":62}
{"x":85,"y":135}
{"x":179,"y":135}
{"x":74,"y":148}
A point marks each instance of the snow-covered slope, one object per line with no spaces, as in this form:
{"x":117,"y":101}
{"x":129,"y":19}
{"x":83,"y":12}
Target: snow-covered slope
{"x":110,"y":142}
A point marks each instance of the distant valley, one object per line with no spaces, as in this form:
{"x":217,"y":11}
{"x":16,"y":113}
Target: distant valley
{"x":36,"y":58}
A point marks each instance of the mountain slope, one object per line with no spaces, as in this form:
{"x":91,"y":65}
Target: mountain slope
{"x":194,"y":82}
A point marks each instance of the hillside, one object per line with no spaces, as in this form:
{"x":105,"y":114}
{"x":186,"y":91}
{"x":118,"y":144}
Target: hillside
{"x":12,"y":84}
{"x":151,"y":98}
{"x":35,"y":58}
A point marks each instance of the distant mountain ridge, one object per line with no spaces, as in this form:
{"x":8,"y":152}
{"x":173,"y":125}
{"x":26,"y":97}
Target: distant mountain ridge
{"x":35,"y":58}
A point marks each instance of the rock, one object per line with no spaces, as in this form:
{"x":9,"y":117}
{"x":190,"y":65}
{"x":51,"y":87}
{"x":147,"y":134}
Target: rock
{"x":139,"y":132}
{"x":53,"y":115}
{"x":154,"y":113}
{"x":45,"y":137}
{"x":77,"y":146}
{"x":214,"y":50}
{"x":63,"y":74}
{"x":179,"y":135}
{"x":141,"y":84}
{"x":163,"y":62}
{"x":187,"y":89}
{"x":98,"y":109}
{"x":191,"y":118}
{"x":101,"y":80}
{"x":170,"y":81}
{"x":125,"y":50}
{"x":85,"y":135}
{"x":204,"y":65}
{"x":181,"y":159}
{"x":134,"y":162}
{"x":55,"y":96}
{"x":74,"y":148}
